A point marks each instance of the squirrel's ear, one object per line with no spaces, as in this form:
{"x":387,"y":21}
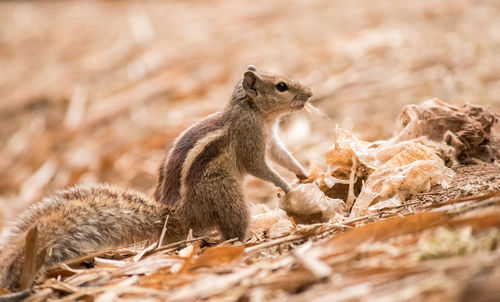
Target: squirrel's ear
{"x":250,"y":79}
{"x":251,"y":68}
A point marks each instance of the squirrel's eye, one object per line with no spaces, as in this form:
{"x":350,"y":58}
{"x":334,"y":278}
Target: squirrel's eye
{"x":281,"y":87}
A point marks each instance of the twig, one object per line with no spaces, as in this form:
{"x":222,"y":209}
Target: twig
{"x":228,"y":241}
{"x":143,"y":252}
{"x":317,"y":267}
{"x":32,"y":259}
{"x":85,"y":258}
{"x":163,"y":231}
{"x":176,"y":244}
{"x":401,"y":206}
{"x":430,"y":193}
{"x":481,"y":203}
{"x":358,"y":219}
{"x":265,"y":245}
{"x":469,"y":198}
{"x":352,"y":179}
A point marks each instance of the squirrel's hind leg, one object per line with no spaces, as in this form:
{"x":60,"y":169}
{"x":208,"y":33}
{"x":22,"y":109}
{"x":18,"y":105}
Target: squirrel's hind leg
{"x":233,"y":223}
{"x":232,"y":216}
{"x":217,"y":201}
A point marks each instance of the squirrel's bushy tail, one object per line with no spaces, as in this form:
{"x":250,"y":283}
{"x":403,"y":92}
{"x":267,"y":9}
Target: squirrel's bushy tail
{"x":76,"y":222}
{"x":11,"y":264}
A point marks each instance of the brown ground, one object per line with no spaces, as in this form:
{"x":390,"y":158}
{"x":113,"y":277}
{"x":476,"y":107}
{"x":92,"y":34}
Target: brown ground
{"x":94,"y":91}
{"x":132,"y":90}
{"x":468,"y":181}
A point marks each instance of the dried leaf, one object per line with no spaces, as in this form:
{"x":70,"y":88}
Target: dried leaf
{"x":273,"y":223}
{"x":384,"y":229}
{"x":146,"y":250}
{"x":401,"y":176}
{"x":4,"y":291}
{"x":469,"y":129}
{"x":108,"y":263}
{"x":211,"y":285}
{"x":192,"y":250}
{"x":33,"y":258}
{"x":133,"y":78}
{"x":311,"y":262}
{"x":307,"y":202}
{"x":219,"y":255}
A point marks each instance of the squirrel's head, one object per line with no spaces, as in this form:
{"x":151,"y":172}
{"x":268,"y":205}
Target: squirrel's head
{"x":273,"y":94}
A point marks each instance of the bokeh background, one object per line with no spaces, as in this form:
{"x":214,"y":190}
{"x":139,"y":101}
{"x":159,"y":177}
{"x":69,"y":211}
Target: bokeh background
{"x":95,"y":91}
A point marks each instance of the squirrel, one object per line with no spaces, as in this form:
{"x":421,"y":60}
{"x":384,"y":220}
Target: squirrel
{"x":200,"y":185}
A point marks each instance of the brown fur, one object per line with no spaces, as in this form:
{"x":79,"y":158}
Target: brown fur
{"x":81,"y":220}
{"x":170,"y":171}
{"x":214,"y":155}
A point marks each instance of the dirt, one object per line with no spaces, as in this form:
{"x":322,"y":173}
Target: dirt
{"x":469,"y":180}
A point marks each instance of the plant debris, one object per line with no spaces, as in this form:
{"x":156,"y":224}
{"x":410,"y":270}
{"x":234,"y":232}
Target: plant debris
{"x":413,"y":160}
{"x":389,"y":213}
{"x":388,"y":252}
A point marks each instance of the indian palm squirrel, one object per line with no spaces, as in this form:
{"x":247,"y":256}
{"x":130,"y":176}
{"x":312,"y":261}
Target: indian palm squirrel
{"x":199,"y":185}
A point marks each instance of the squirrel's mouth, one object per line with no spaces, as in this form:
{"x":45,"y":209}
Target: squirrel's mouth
{"x":299,"y":101}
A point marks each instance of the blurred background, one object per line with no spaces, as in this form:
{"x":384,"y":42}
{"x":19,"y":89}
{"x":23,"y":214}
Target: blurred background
{"x":95,"y":91}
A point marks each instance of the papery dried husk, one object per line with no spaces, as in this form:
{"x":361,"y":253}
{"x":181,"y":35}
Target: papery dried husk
{"x":308,"y":204}
{"x":409,"y":168}
{"x":400,"y":182}
{"x":344,"y":148}
{"x":271,"y":223}
{"x":259,"y":208}
{"x":472,"y":131}
{"x":429,"y":138}
{"x":349,"y":161}
{"x":407,"y":153}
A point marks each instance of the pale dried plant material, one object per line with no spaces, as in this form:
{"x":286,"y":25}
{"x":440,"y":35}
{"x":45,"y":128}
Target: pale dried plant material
{"x":388,"y":170}
{"x":414,"y":169}
{"x":428,"y":137}
{"x":184,"y":253}
{"x":108,"y":263}
{"x":352,"y":182}
{"x":413,"y":160}
{"x":314,"y":172}
{"x":211,"y":285}
{"x":345,"y":146}
{"x":273,"y":223}
{"x":256,"y":209}
{"x":307,"y":203}
{"x":311,"y":261}
{"x":141,"y":254}
{"x":473,"y":131}
{"x":164,"y":230}
{"x":445,"y":242}
{"x":349,"y":161}
{"x":312,"y":109}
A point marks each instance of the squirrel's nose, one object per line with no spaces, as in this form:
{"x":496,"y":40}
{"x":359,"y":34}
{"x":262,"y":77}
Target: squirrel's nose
{"x":307,"y":91}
